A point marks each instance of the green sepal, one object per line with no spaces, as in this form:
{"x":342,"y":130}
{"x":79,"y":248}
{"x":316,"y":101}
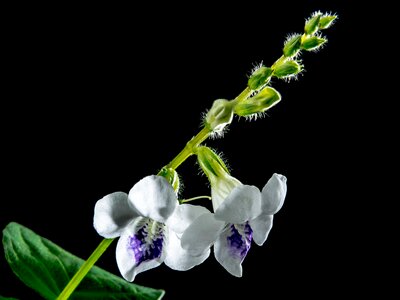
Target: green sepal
{"x":259,"y":77}
{"x":172,"y":176}
{"x":292,"y":45}
{"x":287,"y":68}
{"x":259,"y":103}
{"x":219,"y":115}
{"x":312,"y":43}
{"x":211,"y":163}
{"x":326,"y":21}
{"x":311,"y":26}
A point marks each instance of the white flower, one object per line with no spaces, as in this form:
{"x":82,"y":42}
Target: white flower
{"x":149,"y":222}
{"x":244,"y":215}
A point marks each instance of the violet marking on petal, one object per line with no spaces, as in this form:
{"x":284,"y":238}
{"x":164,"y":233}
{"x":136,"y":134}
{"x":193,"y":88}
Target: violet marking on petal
{"x":146,"y":246}
{"x":240,"y":240}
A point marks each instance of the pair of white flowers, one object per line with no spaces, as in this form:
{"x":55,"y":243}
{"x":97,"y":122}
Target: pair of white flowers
{"x":154,"y":228}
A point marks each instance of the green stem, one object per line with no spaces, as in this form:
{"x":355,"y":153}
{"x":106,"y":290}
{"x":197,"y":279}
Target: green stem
{"x":84,"y":269}
{"x":195,"y":198}
{"x":279,"y":61}
{"x":243,"y":95}
{"x":189,"y":148}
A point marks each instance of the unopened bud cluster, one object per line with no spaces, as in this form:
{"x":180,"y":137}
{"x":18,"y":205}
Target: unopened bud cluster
{"x":311,"y":40}
{"x":286,"y":67}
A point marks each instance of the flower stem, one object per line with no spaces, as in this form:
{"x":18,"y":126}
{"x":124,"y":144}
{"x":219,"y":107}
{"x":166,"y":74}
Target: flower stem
{"x":243,"y":95}
{"x":84,"y":269}
{"x":195,"y":198}
{"x":189,"y":148}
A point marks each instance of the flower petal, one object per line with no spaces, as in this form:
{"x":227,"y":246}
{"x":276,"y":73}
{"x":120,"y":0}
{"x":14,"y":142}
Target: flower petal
{"x":111,"y":214}
{"x":201,"y":234}
{"x":232,"y":246}
{"x":221,"y":187}
{"x":273,"y":194}
{"x":184,"y":215}
{"x":261,"y":227}
{"x":179,"y":259}
{"x":153,"y":197}
{"x":241,"y":205}
{"x":140,"y":247}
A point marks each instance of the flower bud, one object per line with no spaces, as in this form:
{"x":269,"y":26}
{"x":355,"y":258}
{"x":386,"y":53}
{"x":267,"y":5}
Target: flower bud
{"x":210,"y":162}
{"x":311,"y":26}
{"x":222,"y":183}
{"x":326,"y":21}
{"x":172,"y":176}
{"x":313,"y":43}
{"x":292,"y":45}
{"x":259,"y":77}
{"x":220,"y":115}
{"x":259,"y":103}
{"x":287,"y":69}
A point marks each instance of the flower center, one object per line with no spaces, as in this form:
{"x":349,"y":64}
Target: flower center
{"x":147,"y":244}
{"x":239,"y":240}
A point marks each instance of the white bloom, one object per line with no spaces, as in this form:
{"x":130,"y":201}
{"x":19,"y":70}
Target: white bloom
{"x":149,"y":222}
{"x":244,"y":215}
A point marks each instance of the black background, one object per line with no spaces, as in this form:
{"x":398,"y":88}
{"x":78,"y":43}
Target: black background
{"x":99,"y":97}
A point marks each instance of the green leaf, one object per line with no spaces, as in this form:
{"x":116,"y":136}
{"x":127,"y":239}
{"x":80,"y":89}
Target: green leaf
{"x":47,"y":268}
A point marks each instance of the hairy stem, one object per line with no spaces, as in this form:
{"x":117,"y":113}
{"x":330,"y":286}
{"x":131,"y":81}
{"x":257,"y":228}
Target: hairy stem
{"x":189,"y":148}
